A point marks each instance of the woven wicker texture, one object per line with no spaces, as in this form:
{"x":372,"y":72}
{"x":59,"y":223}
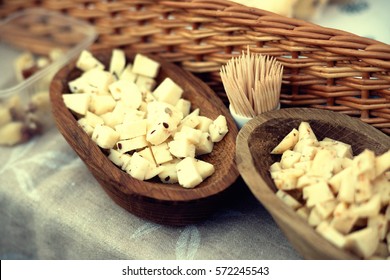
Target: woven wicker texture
{"x":323,"y":68}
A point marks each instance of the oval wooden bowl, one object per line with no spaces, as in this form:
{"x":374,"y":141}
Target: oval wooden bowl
{"x":152,"y":200}
{"x":260,"y":135}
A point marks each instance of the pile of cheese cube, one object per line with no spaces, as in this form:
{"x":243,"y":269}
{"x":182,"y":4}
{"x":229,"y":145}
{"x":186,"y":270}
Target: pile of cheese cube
{"x":345,"y":197}
{"x":149,"y":130}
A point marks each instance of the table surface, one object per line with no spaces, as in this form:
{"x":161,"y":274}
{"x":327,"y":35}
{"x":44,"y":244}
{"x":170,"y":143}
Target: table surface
{"x":51,"y":207}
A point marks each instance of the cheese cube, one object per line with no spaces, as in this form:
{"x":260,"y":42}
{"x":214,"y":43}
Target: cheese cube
{"x":104,"y":136}
{"x":381,"y":223}
{"x":161,"y":153}
{"x":363,"y":242}
{"x":287,"y":143}
{"x":145,"y":83}
{"x":317,"y":193}
{"x":190,"y":134}
{"x":382,"y":163}
{"x":205,"y":145}
{"x":183,"y":106}
{"x":204,"y":123}
{"x":147,"y":154}
{"x":101,"y":104}
{"x":83,"y":123}
{"x":342,"y":149}
{"x":99,"y":79}
{"x":182,"y":148}
{"x":136,"y":143}
{"x":218,"y":129}
{"x":153,"y":171}
{"x":306,"y":132}
{"x":145,"y":66}
{"x":158,"y":133}
{"x":160,"y":111}
{"x":187,"y":173}
{"x":322,"y":164}
{"x":343,"y":223}
{"x":132,"y":115}
{"x":190,"y":120}
{"x":289,"y":158}
{"x":364,"y":163}
{"x":117,"y":62}
{"x":169,"y":173}
{"x":116,"y":157}
{"x":93,"y":119}
{"x":370,"y":208}
{"x":127,"y":92}
{"x":132,"y":129}
{"x":77,"y":102}
{"x":111,"y":119}
{"x":87,"y":61}
{"x":127,"y":74}
{"x":81,"y":85}
{"x":204,"y":168}
{"x":168,"y":91}
{"x":138,"y":167}
{"x":332,"y":235}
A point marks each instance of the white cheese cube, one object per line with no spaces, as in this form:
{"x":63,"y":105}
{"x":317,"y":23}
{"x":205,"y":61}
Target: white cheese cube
{"x":306,"y":132}
{"x":112,"y":119}
{"x":288,"y":199}
{"x":136,"y":143}
{"x":133,"y":115}
{"x":116,"y":157}
{"x":363,"y":242}
{"x":101,"y":104}
{"x":81,"y":85}
{"x":117,"y":62}
{"x":147,"y":154}
{"x":169,"y":173}
{"x":184,"y":106}
{"x":138,"y":167}
{"x":145,"y":83}
{"x":190,"y":120}
{"x":128,"y":75}
{"x":145,"y":66}
{"x":204,"y":168}
{"x":289,"y":158}
{"x":205,"y":145}
{"x":159,"y":111}
{"x":87,"y":61}
{"x":190,"y":134}
{"x":182,"y":148}
{"x":322,"y":164}
{"x":218,"y":129}
{"x":382,"y":163}
{"x":161,"y":153}
{"x":317,"y":193}
{"x":204,"y":123}
{"x":104,"y":136}
{"x":132,"y":129}
{"x":158,"y":133}
{"x":342,"y":149}
{"x":153,"y":171}
{"x":83,"y":123}
{"x":187,"y":173}
{"x":93,"y":119}
{"x":77,"y":102}
{"x":168,"y":91}
{"x":99,"y":79}
{"x":127,"y":92}
{"x":331,"y":234}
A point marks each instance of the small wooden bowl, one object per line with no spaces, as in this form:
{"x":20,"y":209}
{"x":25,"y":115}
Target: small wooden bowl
{"x":152,"y":200}
{"x":260,"y":135}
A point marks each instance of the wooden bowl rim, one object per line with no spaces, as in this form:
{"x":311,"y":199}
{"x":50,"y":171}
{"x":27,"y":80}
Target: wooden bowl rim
{"x":263,"y":192}
{"x":123,"y":181}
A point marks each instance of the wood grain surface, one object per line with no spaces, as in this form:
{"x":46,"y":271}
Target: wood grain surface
{"x":161,"y":203}
{"x":260,"y":135}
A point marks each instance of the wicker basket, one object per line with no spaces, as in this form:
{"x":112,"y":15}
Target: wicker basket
{"x":324,"y":68}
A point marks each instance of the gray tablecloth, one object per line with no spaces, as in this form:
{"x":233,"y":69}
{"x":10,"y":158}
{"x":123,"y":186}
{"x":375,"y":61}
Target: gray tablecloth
{"x":51,"y":207}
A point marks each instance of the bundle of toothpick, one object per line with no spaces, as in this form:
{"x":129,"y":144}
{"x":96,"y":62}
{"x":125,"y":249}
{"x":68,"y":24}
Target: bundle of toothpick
{"x":252,"y":83}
